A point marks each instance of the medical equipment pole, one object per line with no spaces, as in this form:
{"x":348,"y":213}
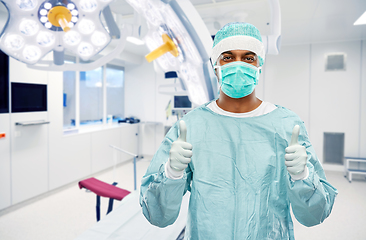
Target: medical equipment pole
{"x":134,"y":172}
{"x":134,"y":162}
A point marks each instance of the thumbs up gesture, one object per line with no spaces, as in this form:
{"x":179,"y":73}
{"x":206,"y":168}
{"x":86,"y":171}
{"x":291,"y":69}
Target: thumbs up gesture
{"x":181,"y":152}
{"x":296,"y":157}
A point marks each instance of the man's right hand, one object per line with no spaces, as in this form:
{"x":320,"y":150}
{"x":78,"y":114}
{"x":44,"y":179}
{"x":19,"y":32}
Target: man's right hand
{"x":181,"y":151}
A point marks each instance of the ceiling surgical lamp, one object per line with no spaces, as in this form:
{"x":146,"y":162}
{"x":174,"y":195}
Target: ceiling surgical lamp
{"x":35,"y":27}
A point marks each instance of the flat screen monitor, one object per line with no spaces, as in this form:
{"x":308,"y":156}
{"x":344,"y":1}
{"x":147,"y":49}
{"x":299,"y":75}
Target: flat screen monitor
{"x":182,"y":102}
{"x":4,"y":83}
{"x":26,"y":97}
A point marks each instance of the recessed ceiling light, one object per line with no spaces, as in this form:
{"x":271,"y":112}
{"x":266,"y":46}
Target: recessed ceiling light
{"x":361,"y":20}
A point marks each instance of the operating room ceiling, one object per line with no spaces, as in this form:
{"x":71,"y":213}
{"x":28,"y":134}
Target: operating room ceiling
{"x":310,"y":21}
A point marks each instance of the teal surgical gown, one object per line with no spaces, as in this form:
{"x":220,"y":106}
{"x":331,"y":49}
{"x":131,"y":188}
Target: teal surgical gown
{"x":239,"y":184}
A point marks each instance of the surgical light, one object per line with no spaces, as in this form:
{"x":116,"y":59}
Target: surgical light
{"x":88,"y":5}
{"x":47,"y":6}
{"x":361,"y":20}
{"x":86,"y":26}
{"x":32,"y":53}
{"x":43,"y":19}
{"x":36,"y":27}
{"x":70,"y":6}
{"x":14,"y":42}
{"x":85,"y":49}
{"x":72,"y":38}
{"x":28,"y":27}
{"x":45,"y":39}
{"x":26,"y":4}
{"x":48,"y":25}
{"x":43,"y":12}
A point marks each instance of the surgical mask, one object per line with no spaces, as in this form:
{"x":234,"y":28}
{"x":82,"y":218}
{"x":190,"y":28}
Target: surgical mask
{"x":238,"y":79}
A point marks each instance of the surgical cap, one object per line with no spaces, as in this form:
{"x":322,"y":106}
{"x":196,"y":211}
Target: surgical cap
{"x":238,"y":36}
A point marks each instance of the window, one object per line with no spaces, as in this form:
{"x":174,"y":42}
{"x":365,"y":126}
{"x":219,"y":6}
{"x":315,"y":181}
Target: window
{"x":69,"y":99}
{"x":91,"y":97}
{"x":84,"y":100}
{"x":115,"y":92}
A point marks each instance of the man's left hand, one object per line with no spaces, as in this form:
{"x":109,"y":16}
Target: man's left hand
{"x":296,"y":156}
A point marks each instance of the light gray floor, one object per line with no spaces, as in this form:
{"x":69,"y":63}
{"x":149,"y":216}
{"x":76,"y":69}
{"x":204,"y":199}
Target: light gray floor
{"x":66,"y":213}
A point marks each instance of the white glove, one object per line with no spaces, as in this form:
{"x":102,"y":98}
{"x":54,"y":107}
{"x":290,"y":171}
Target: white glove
{"x":180,"y":154}
{"x":296,"y":157}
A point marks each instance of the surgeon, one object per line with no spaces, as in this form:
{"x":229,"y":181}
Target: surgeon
{"x":245,"y":161}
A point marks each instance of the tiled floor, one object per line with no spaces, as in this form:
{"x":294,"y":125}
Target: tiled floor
{"x":66,"y":213}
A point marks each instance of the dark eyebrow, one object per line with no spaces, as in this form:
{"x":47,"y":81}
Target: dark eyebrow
{"x":248,"y":53}
{"x":227,"y":52}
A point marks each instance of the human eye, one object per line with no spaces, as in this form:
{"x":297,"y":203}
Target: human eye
{"x":227,"y":58}
{"x":249,"y":59}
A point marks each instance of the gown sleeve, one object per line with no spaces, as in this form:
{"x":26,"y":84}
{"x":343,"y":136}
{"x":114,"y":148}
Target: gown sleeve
{"x":161,"y":197}
{"x":311,"y":199}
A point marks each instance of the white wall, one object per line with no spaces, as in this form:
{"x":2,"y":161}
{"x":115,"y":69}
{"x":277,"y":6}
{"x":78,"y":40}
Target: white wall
{"x":362,"y":141}
{"x":326,"y":101}
{"x":335,"y":96}
{"x":286,"y":80}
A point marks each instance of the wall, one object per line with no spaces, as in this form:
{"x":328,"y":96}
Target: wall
{"x":362,"y":138}
{"x":140,"y":82}
{"x":326,"y":101}
{"x":335,"y":96}
{"x":286,"y":80}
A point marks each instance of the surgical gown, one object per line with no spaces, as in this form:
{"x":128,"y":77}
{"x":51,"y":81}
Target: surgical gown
{"x":239,"y":184}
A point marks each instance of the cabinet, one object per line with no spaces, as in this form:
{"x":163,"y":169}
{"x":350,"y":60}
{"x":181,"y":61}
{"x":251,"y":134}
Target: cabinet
{"x":29,"y":156}
{"x":5,"y":177}
{"x":349,"y":171}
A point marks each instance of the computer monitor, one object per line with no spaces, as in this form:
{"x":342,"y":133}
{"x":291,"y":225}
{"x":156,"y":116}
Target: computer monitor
{"x":26,"y":97}
{"x":181,"y":103}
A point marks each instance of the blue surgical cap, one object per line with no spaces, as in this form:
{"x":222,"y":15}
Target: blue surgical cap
{"x":238,"y":36}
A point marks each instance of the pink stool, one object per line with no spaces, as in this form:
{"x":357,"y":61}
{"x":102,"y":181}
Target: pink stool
{"x":102,"y":189}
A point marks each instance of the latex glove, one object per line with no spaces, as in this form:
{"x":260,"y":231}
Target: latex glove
{"x":296,"y":157}
{"x":180,"y":153}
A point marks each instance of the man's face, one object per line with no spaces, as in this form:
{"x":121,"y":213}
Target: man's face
{"x":238,"y":55}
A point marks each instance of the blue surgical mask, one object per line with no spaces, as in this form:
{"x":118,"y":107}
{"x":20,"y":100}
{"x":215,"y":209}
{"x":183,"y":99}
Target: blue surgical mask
{"x":238,"y":79}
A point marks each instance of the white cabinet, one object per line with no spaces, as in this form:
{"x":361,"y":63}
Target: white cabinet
{"x":129,"y":140}
{"x":29,"y":153}
{"x":5,"y":182}
{"x":124,"y":136}
{"x":151,"y":136}
{"x":102,"y":154}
